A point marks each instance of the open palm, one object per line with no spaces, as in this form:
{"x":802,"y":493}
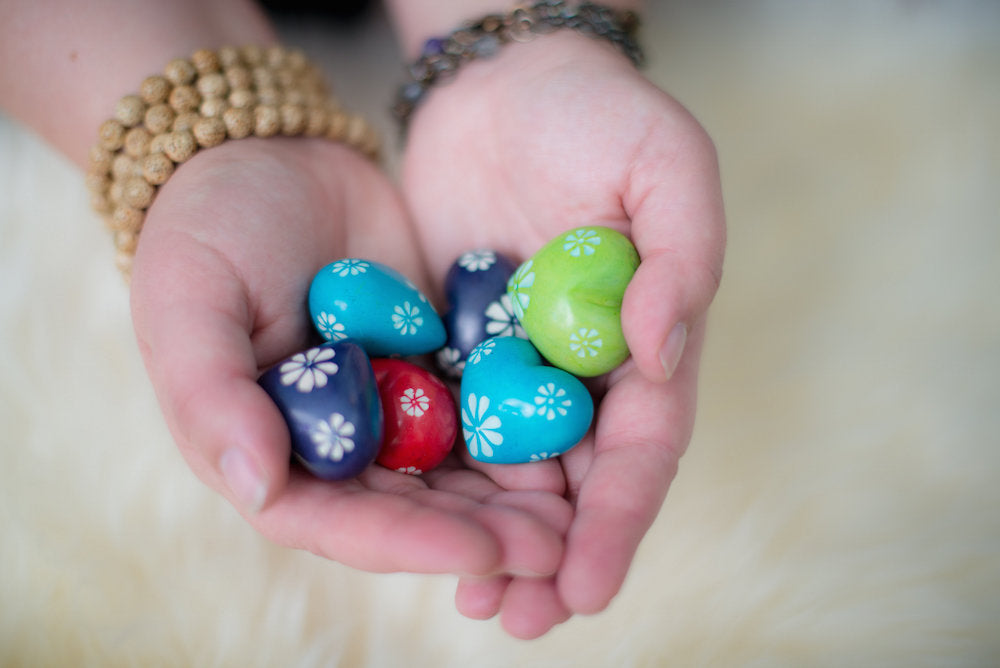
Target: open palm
{"x":218,"y":294}
{"x":548,"y":136}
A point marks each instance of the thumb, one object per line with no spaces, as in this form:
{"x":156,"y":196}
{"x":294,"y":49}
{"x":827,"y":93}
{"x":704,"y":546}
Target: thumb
{"x":193,"y":327}
{"x":678,"y":227}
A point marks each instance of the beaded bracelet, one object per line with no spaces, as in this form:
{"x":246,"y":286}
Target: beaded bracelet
{"x":198,"y":103}
{"x":442,"y":56}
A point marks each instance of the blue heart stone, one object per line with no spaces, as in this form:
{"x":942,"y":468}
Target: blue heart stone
{"x":478,"y":306}
{"x":330,"y":402}
{"x":515,"y":409}
{"x":376,"y":307}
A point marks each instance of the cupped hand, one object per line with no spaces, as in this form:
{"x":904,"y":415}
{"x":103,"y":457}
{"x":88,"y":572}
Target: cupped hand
{"x":550,"y":135}
{"x":218,"y":295}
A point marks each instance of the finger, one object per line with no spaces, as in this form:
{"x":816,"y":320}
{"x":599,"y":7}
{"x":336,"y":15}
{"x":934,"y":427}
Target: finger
{"x":480,"y":598}
{"x":675,"y":205}
{"x":192,"y":323}
{"x":642,"y":430}
{"x":381,"y":530}
{"x":531,"y":607}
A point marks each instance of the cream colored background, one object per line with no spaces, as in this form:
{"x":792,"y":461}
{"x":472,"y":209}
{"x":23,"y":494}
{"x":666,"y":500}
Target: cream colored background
{"x":839,"y":504}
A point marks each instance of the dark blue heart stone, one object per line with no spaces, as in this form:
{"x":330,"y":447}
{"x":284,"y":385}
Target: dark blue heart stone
{"x":330,"y":402}
{"x":478,"y":306}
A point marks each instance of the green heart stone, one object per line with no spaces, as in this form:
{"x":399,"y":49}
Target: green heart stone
{"x":568,"y":297}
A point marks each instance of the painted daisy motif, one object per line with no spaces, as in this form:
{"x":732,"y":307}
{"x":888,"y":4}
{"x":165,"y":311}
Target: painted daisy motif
{"x":414,"y":402}
{"x":520,"y":282}
{"x":309,"y":370}
{"x":501,"y":319}
{"x":479,"y":427}
{"x":585,"y":342}
{"x":477,"y":260}
{"x":581,"y":242}
{"x":349,"y":267}
{"x":484,"y":349}
{"x":542,"y":456}
{"x":409,"y":470}
{"x":333,"y":437}
{"x":449,"y":359}
{"x":551,"y":402}
{"x":407,"y":318}
{"x":328,"y":326}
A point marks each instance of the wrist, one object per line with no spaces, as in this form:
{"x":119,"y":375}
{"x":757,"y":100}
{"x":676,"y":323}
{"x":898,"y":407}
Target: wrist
{"x":484,"y":37}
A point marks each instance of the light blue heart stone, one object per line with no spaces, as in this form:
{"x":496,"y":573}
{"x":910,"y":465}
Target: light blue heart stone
{"x":376,"y":307}
{"x":516,"y":410}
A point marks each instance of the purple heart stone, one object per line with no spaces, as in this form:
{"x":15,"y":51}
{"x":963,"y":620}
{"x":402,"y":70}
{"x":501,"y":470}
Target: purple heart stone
{"x":478,"y":306}
{"x":330,"y":402}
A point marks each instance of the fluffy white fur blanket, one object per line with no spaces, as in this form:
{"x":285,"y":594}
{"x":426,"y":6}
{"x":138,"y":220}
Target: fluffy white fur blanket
{"x":839,"y":504}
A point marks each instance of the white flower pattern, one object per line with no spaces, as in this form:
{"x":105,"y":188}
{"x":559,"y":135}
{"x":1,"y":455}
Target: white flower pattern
{"x":350,"y":267}
{"x":409,"y":470}
{"x":542,"y":456}
{"x":519,"y":283}
{"x":333,"y":437}
{"x":581,"y":241}
{"x":585,"y":342}
{"x":477,"y":260}
{"x":328,"y":326}
{"x":309,"y":370}
{"x":550,"y":401}
{"x":414,"y":402}
{"x":501,"y":320}
{"x":479,"y":427}
{"x":407,"y":318}
{"x":451,"y":362}
{"x":484,"y":349}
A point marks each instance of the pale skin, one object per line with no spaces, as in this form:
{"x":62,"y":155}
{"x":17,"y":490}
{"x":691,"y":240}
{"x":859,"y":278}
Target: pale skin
{"x":549,"y":135}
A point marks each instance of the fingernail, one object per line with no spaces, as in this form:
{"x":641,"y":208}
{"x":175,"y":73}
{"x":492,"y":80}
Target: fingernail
{"x":243,"y":479}
{"x":670,"y":353}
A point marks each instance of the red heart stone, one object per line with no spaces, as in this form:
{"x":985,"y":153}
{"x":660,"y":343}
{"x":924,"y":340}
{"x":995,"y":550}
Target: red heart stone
{"x":419,"y":417}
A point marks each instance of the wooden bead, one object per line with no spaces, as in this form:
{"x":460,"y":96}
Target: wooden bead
{"x":337,"y":125}
{"x":213,"y":107}
{"x":212,"y":85}
{"x":267,"y":121}
{"x":293,"y":119}
{"x":100,"y":158}
{"x":184,"y":98}
{"x":125,"y":217}
{"x":296,"y":60}
{"x":205,"y":61}
{"x":263,"y":77}
{"x":316,"y":119}
{"x":354,"y":134}
{"x":243,"y":98}
{"x":274,"y":56}
{"x":97,"y":182}
{"x":180,"y":72}
{"x":239,"y":122}
{"x":229,"y":56}
{"x":154,"y":89}
{"x":238,"y":77}
{"x":269,"y":96}
{"x":130,"y":110}
{"x":123,"y":262}
{"x":111,"y":134}
{"x":209,"y":132}
{"x":116,"y":192}
{"x":156,"y":144}
{"x":252,"y":54}
{"x":126,"y":240}
{"x":100,"y":203}
{"x":180,"y":145}
{"x":122,"y":166}
{"x":185,"y":121}
{"x":137,"y":142}
{"x":158,"y":118}
{"x":138,"y":193}
{"x":157,"y":168}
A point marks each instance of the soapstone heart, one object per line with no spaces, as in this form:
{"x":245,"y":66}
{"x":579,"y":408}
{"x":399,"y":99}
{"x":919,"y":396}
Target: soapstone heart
{"x":516,"y":410}
{"x":568,"y":297}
